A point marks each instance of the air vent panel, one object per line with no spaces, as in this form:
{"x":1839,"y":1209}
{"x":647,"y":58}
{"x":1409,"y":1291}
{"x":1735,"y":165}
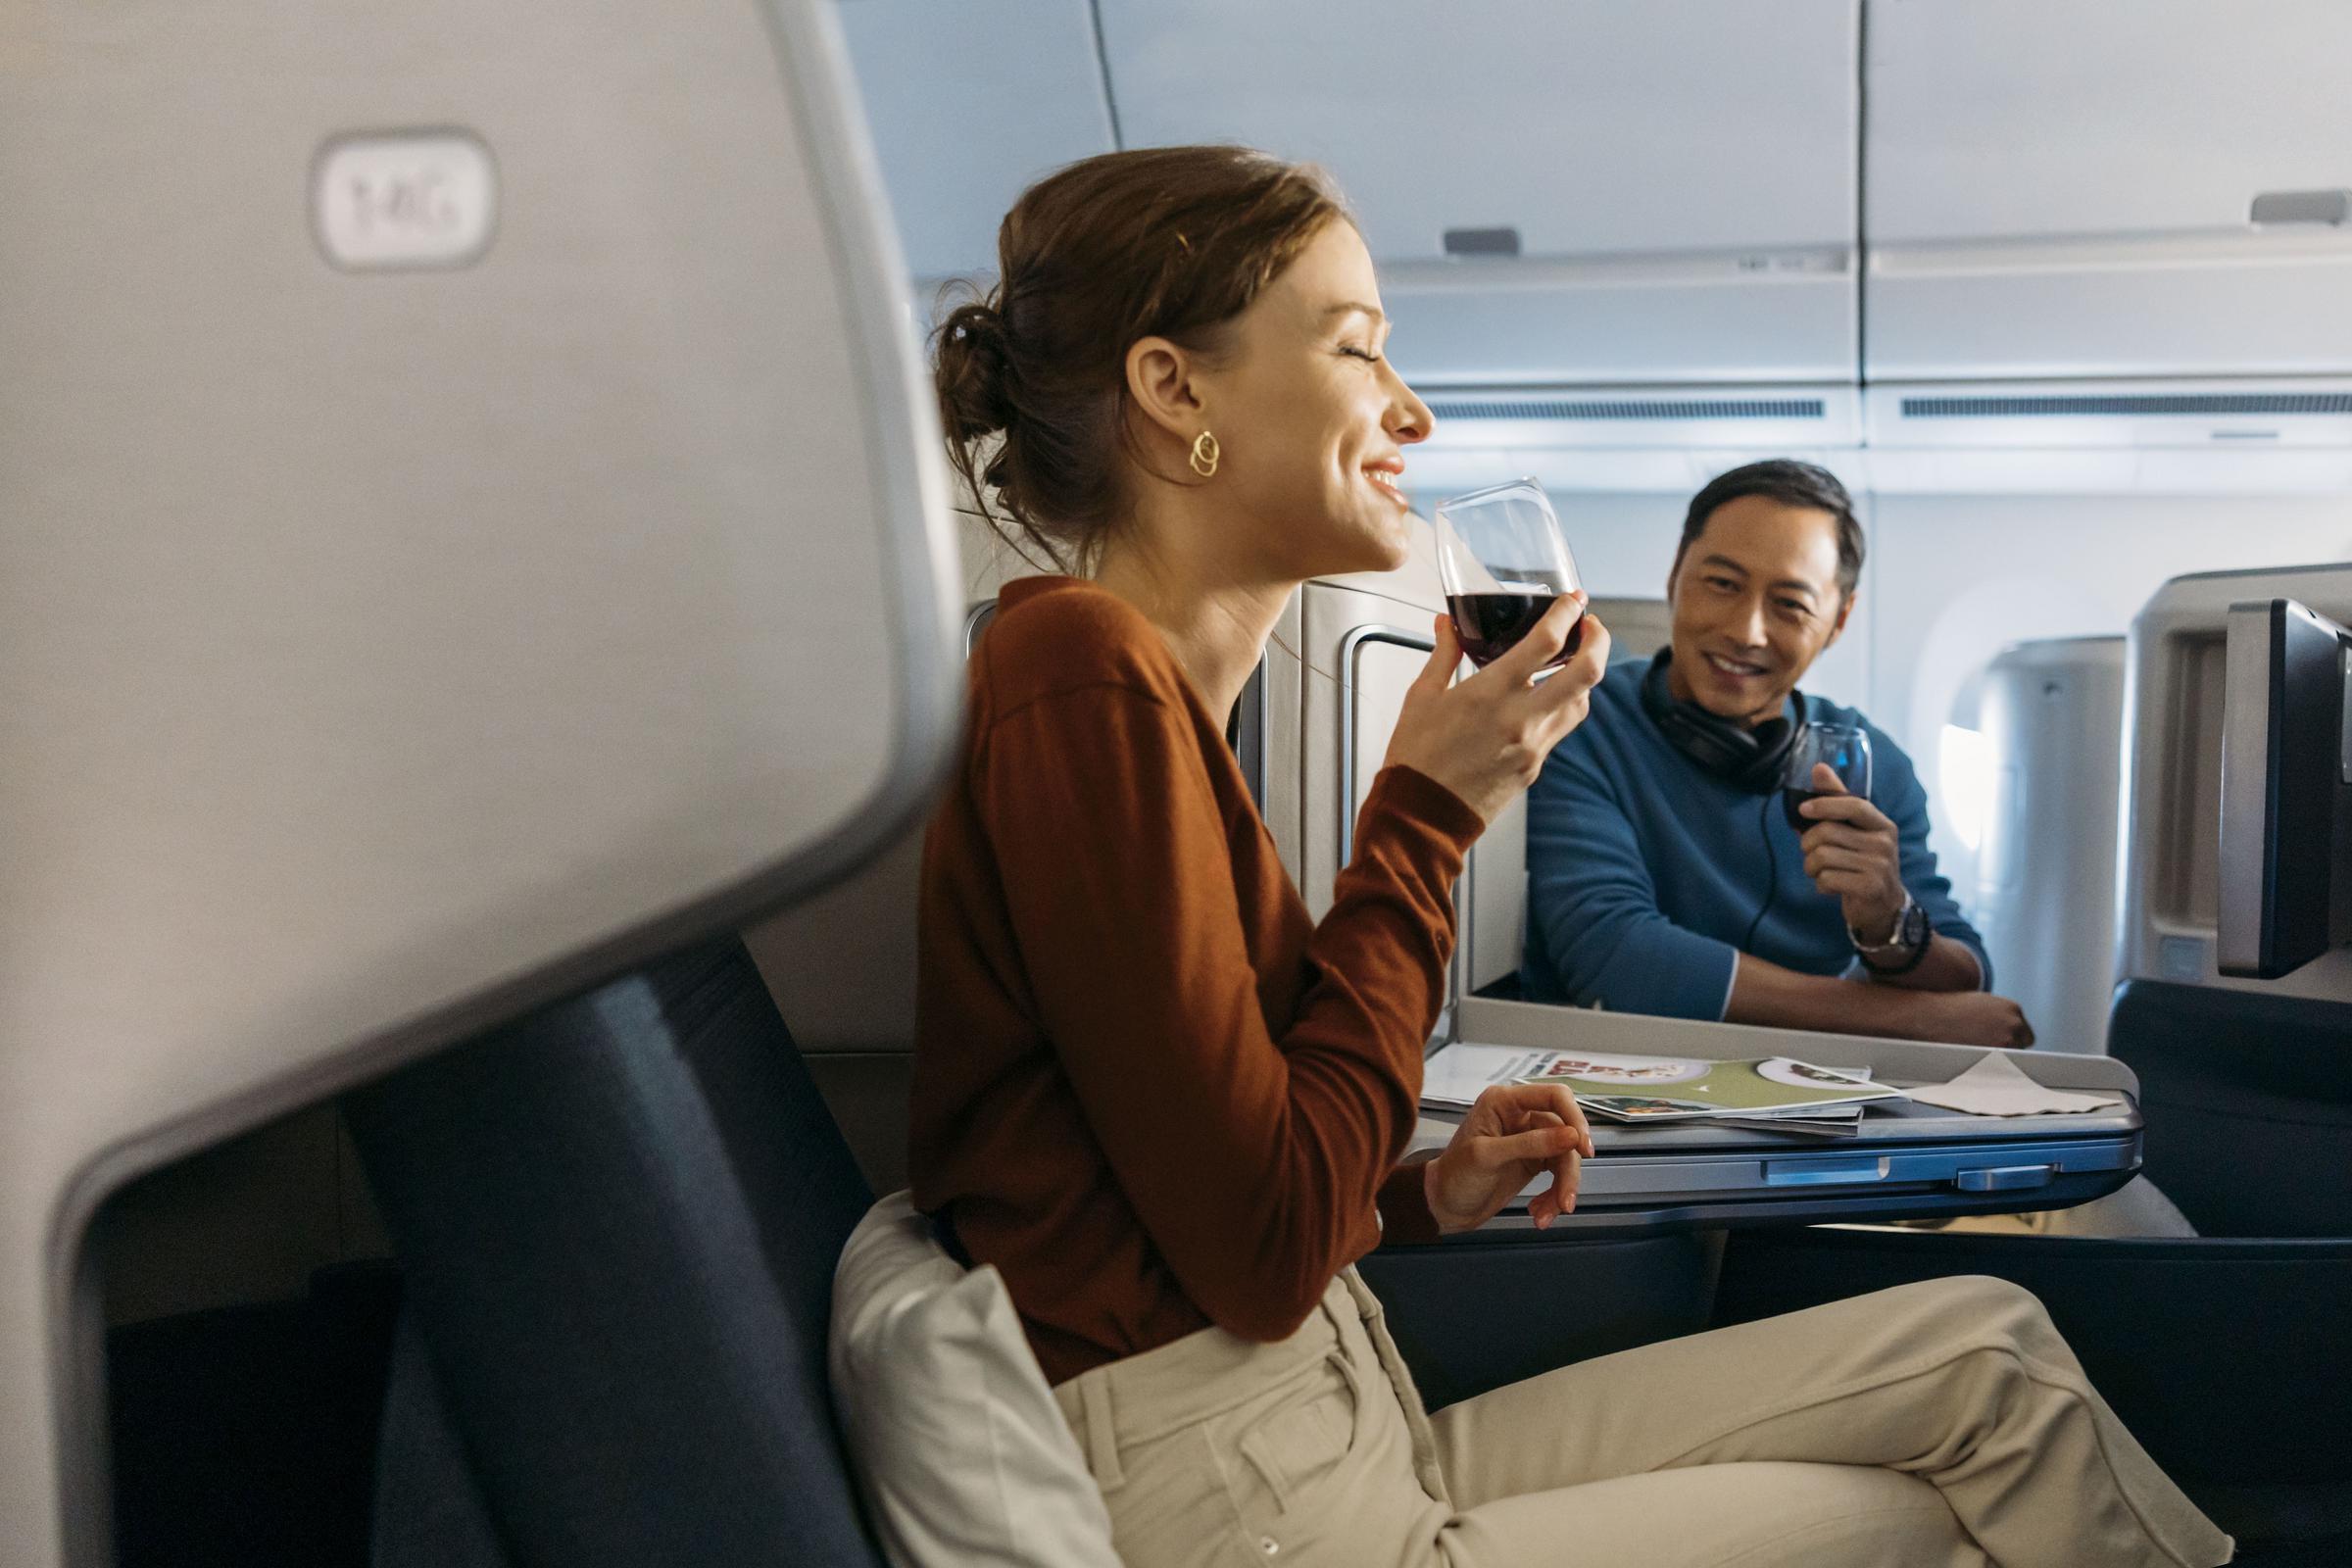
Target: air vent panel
{"x":1645,"y":409}
{"x":2135,"y":405}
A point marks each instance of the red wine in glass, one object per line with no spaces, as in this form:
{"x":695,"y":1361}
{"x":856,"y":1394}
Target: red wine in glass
{"x":1792,"y":799}
{"x":1844,"y":748}
{"x":1491,"y":624}
{"x":1502,"y":563}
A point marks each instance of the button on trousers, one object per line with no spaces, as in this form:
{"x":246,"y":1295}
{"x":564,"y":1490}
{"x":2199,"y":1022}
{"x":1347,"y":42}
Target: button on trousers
{"x":1934,"y":1424}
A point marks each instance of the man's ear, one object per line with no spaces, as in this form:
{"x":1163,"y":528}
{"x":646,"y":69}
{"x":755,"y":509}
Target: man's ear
{"x":1163,"y":386}
{"x":1845,"y":609}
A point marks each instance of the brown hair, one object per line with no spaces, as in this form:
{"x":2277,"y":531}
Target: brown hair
{"x":1169,"y":242}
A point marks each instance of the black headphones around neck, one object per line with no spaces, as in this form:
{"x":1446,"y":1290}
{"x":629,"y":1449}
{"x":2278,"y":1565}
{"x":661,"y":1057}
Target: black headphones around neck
{"x":1748,"y":758}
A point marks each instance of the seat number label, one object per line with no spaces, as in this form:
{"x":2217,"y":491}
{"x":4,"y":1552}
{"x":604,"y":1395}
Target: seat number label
{"x":404,"y":199}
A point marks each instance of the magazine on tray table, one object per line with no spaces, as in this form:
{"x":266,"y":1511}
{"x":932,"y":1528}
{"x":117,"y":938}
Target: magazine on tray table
{"x":1775,"y":1093}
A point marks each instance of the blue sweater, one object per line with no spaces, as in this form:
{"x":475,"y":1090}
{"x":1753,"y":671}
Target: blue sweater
{"x":1643,"y":869}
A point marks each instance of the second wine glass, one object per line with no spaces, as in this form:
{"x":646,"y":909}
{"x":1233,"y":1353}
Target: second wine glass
{"x":1502,"y":561}
{"x":1845,"y":748}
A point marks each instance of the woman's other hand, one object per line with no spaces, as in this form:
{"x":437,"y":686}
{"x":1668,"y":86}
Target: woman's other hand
{"x":1486,"y":737}
{"x":1515,"y":1133}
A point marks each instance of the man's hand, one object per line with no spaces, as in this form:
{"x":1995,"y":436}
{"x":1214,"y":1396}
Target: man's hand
{"x":1513,"y":1133}
{"x":1853,"y":854}
{"x":1970,"y":1018}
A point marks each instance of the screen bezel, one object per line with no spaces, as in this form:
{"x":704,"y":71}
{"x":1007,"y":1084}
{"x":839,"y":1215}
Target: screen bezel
{"x":2286,"y":802}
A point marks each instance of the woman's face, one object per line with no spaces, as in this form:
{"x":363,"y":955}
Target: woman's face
{"x":1313,"y":420}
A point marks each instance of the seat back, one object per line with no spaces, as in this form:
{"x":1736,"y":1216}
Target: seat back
{"x":473,"y":526}
{"x":620,"y":1220}
{"x":2245,"y":1083}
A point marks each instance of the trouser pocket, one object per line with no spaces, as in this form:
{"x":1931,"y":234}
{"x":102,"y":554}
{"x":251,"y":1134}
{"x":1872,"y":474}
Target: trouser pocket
{"x":1304,"y":1440}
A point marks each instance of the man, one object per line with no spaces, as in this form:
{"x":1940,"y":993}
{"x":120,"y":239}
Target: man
{"x":1663,"y":877}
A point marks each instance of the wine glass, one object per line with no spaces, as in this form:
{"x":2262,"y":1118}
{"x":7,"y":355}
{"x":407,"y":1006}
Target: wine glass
{"x":1845,"y":747}
{"x":1502,"y":563}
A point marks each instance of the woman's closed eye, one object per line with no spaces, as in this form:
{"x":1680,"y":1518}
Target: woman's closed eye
{"x":1354,"y":352}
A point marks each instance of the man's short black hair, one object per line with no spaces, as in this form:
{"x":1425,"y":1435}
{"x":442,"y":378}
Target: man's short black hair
{"x":1794,"y":484}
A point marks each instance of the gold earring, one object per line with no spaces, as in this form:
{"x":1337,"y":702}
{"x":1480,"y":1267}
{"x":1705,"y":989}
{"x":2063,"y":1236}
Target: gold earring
{"x":1205,"y":455}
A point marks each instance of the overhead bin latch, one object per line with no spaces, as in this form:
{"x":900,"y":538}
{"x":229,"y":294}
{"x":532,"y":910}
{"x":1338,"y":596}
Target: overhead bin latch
{"x":1482,"y":242}
{"x":2333,"y":207}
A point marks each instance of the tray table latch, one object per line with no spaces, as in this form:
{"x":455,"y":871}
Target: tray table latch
{"x":2003,"y":1178}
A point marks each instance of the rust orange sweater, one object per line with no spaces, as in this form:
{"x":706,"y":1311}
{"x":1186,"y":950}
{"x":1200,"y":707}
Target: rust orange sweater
{"x":1147,"y":1087}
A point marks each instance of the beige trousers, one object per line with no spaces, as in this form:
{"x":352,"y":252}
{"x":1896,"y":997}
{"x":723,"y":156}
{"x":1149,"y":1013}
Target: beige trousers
{"x":1940,"y":1423}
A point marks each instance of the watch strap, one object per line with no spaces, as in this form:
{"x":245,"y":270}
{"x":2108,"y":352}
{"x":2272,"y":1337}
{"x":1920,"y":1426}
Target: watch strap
{"x":1895,"y":937}
{"x":1913,"y":935}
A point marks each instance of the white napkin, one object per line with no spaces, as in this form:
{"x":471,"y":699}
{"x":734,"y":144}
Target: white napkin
{"x":1997,"y":1087}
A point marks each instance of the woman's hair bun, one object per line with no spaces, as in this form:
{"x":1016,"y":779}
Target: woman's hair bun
{"x":975,"y":373}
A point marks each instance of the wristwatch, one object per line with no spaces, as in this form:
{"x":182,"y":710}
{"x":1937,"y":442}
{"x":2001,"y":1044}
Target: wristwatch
{"x":1909,"y":938}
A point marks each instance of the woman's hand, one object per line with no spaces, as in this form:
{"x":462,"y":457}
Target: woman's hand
{"x":1486,"y":738}
{"x":1514,"y":1131}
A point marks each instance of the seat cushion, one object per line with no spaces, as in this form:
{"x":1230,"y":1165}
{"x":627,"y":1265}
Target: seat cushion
{"x":957,"y":1443}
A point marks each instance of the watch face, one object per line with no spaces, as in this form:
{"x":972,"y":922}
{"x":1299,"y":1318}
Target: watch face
{"x":1914,"y":926}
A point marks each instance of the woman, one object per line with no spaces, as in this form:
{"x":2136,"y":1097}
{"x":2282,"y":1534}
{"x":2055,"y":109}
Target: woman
{"x":1168,"y":1107}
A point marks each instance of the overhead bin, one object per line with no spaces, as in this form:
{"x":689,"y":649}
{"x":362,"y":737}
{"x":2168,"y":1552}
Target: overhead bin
{"x":1549,"y":213}
{"x":968,"y":101}
{"x":2107,"y":188}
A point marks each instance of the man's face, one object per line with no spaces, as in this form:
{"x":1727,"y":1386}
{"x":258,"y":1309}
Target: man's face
{"x":1755,"y":600}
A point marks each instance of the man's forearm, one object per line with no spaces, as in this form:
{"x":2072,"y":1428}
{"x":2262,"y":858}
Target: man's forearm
{"x":1762,"y":991}
{"x":1948,"y":966}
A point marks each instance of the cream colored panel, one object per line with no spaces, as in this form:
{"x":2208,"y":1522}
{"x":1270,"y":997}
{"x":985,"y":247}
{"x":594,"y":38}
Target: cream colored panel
{"x":1330,"y":616}
{"x":1383,"y":673}
{"x":2169,"y":879}
{"x":1287,"y":682}
{"x":1497,"y":898}
{"x":2190,"y":871}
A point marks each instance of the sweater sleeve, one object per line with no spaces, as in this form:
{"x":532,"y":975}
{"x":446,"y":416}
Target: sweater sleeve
{"x":1905,"y":801}
{"x":1252,"y":1161}
{"x":1596,"y":934}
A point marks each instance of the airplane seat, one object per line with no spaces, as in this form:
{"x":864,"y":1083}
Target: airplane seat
{"x":2247,"y":1088}
{"x":2245,"y":1095}
{"x":619,"y":1219}
{"x":491,"y":538}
